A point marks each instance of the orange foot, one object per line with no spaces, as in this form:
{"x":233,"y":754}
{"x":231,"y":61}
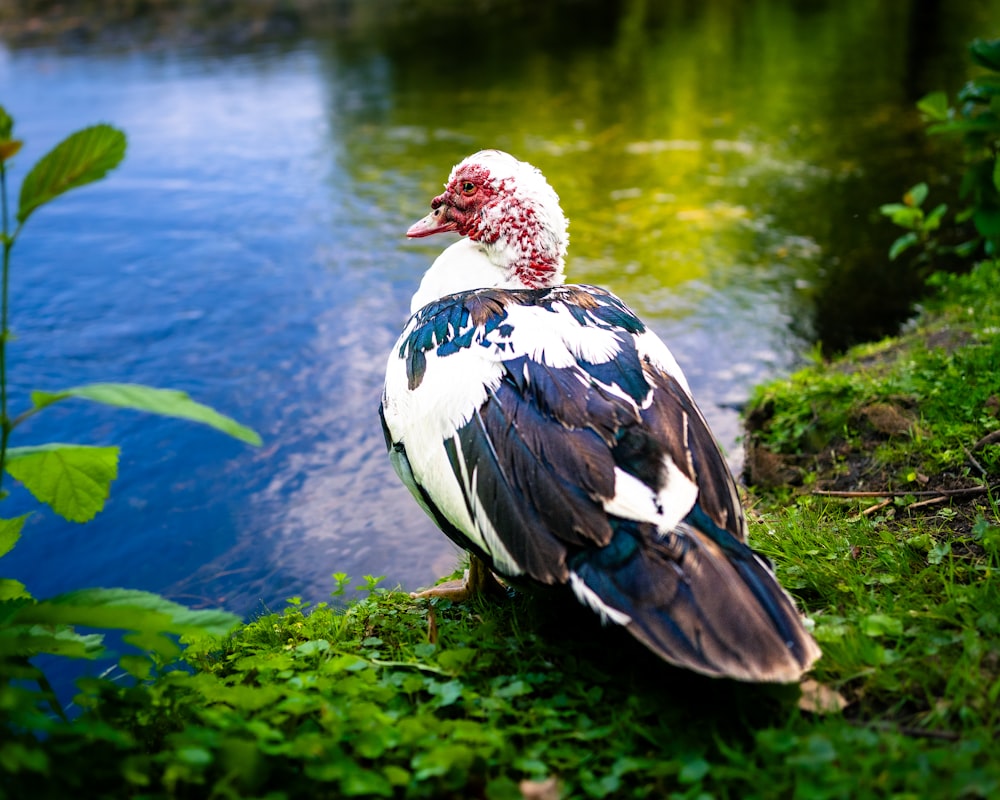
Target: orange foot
{"x":478,"y":579}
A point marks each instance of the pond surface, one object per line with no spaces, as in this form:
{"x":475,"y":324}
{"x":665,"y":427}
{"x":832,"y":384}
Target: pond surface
{"x":721,"y":165}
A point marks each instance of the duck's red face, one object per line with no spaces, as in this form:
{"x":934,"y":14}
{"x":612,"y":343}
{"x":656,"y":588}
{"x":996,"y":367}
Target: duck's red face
{"x":468,"y":191}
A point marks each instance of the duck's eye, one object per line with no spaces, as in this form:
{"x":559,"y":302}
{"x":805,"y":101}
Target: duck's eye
{"x":468,"y":188}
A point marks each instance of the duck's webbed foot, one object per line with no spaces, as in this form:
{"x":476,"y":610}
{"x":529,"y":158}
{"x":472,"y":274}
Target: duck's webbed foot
{"x":478,"y":579}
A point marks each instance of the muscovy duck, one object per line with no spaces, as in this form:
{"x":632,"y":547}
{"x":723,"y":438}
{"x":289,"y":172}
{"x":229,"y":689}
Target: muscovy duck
{"x":548,"y":431}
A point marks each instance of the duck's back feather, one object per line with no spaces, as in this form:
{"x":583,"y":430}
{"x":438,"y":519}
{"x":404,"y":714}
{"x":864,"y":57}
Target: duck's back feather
{"x":549,"y":431}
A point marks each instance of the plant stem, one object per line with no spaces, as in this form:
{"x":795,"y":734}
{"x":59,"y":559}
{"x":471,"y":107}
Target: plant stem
{"x":8,"y":243}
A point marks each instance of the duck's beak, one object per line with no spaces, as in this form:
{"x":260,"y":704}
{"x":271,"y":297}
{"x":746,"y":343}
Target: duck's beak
{"x":438,"y":221}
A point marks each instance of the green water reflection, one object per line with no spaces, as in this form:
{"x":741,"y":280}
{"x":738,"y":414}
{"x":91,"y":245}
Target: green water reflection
{"x":699,"y":148}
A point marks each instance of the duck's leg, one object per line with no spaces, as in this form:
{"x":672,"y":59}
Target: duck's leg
{"x":478,"y":579}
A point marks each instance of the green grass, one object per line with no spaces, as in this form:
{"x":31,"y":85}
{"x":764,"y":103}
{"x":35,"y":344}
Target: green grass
{"x":942,"y":380}
{"x":395,"y":697}
{"x":334,"y":704}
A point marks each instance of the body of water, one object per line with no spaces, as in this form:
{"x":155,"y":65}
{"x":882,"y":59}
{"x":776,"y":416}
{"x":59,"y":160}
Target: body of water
{"x":721,"y":164}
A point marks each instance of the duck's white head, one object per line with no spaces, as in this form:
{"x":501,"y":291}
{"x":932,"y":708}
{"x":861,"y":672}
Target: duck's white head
{"x":507,"y":208}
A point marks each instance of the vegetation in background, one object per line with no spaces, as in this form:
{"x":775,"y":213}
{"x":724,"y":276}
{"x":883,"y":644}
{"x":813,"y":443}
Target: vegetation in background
{"x":74,"y":481}
{"x":976,"y":120}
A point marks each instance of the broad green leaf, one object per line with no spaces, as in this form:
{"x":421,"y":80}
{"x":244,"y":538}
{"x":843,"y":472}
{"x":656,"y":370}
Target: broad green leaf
{"x":165,"y":402}
{"x":987,"y":222}
{"x":916,"y":195}
{"x":933,"y":221}
{"x":59,"y":640}
{"x":935,"y":106}
{"x":127,"y":609}
{"x":986,"y":53}
{"x":966,"y":249}
{"x":880,"y":625}
{"x":82,"y":158}
{"x":10,"y":532}
{"x":902,"y":244}
{"x":136,"y":666}
{"x":980,"y":91}
{"x":11,"y":589}
{"x":904,"y":216}
{"x":6,"y":124}
{"x":73,"y":479}
{"x":978,"y":125}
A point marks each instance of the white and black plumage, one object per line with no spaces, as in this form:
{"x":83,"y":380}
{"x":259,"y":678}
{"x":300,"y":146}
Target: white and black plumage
{"x":547,"y":430}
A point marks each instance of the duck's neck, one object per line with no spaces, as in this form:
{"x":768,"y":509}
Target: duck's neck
{"x":526,"y":243}
{"x":468,"y":265}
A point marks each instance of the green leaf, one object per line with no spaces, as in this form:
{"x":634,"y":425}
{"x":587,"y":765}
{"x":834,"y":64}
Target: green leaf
{"x":881,"y":624}
{"x":980,"y":90}
{"x":10,"y":532}
{"x":6,"y":124}
{"x":694,"y":770}
{"x":12,"y":590}
{"x":987,"y":222}
{"x":29,"y":640}
{"x":81,"y":158}
{"x":902,"y":244}
{"x":986,"y":53}
{"x":73,"y":479}
{"x":933,"y":221}
{"x":148,"y":616}
{"x":935,"y":106}
{"x":977,"y":125}
{"x":903,"y":215}
{"x":916,"y":195}
{"x":165,"y":402}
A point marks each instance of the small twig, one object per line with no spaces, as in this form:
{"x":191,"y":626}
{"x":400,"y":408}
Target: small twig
{"x":928,"y":502}
{"x":990,"y":438}
{"x":874,"y":508}
{"x":971,"y":491}
{"x":974,"y":462}
{"x":946,"y":736}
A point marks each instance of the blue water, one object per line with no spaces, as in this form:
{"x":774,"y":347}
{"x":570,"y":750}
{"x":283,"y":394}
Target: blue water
{"x":250,"y":251}
{"x":229,"y":257}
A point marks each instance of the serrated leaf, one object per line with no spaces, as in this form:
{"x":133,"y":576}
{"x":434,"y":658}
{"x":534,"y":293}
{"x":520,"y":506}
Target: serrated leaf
{"x":934,"y":105}
{"x":132,"y":609}
{"x":82,"y":158}
{"x":149,"y":617}
{"x":60,"y":640}
{"x":10,"y":532}
{"x":165,"y":402}
{"x":11,"y":589}
{"x":902,"y":244}
{"x":73,"y":479}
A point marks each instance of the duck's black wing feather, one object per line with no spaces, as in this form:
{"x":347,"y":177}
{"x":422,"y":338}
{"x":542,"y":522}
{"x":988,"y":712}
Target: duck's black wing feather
{"x":588,"y":464}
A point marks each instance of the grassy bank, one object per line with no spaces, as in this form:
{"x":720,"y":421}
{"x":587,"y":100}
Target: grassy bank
{"x":875,"y":495}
